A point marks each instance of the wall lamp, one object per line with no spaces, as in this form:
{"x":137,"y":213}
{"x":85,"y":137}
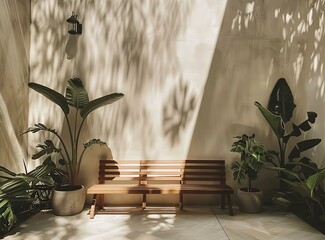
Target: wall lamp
{"x":74,"y":26}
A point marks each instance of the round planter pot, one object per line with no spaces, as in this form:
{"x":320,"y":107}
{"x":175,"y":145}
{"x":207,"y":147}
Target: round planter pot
{"x":68,"y":200}
{"x":250,"y":202}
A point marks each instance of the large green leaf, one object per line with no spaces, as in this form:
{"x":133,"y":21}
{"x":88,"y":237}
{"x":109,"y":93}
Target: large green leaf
{"x":281,"y":100}
{"x":7,"y":171}
{"x":46,"y":148}
{"x":274,"y":120}
{"x":99,"y":102}
{"x":314,"y":180}
{"x":52,"y":95}
{"x":303,"y":146}
{"x":239,"y":172}
{"x":287,"y":171}
{"x":76,"y":94}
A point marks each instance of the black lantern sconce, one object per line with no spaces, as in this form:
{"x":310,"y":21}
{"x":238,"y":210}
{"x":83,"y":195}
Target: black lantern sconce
{"x":74,"y":27}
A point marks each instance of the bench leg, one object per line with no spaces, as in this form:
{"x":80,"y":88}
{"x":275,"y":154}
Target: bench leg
{"x":100,"y":201}
{"x":144,"y":201}
{"x":181,"y":203}
{"x":231,"y":213}
{"x":222,"y":201}
{"x":93,"y":207}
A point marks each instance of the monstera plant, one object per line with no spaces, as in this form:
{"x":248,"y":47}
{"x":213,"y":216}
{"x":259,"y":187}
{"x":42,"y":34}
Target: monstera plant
{"x":75,"y":102}
{"x":301,"y":181}
{"x":252,"y":158}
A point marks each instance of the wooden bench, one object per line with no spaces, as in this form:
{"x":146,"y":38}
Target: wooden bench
{"x":160,"y":177}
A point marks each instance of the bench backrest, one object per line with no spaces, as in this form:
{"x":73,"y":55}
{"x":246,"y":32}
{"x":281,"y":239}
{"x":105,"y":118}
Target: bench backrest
{"x":162,"y":171}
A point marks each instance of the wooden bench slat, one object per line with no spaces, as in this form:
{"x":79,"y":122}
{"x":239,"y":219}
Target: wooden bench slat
{"x":157,"y":189}
{"x":163,"y":161}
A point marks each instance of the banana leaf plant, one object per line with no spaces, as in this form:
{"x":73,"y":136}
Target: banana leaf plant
{"x":76,"y":97}
{"x":278,"y":114}
{"x":17,"y":191}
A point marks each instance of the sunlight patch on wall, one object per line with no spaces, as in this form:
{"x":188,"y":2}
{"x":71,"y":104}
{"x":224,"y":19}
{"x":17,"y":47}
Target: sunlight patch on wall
{"x":157,"y":53}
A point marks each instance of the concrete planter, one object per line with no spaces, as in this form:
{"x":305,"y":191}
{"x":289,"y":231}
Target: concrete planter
{"x":250,"y":202}
{"x":68,"y":200}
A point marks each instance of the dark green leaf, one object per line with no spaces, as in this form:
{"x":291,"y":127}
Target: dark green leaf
{"x":305,"y":126}
{"x":303,"y":146}
{"x":312,"y":117}
{"x":95,"y":142}
{"x":47,"y":148}
{"x":76,"y":94}
{"x":315,"y":180}
{"x":99,"y":102}
{"x":274,"y":120}
{"x":52,"y":95}
{"x":239,"y":172}
{"x":7,"y":171}
{"x":281,"y":100}
{"x":289,"y":172}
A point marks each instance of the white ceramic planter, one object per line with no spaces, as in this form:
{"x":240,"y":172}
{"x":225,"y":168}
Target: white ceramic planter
{"x":68,"y":200}
{"x":250,"y":202}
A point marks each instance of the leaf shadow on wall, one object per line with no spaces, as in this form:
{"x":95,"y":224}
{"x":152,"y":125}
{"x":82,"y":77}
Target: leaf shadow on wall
{"x":259,"y":42}
{"x":177,"y":111}
{"x":131,"y":49}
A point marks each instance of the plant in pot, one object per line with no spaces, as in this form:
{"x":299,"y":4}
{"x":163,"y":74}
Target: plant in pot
{"x":69,"y":199}
{"x":252,"y":158}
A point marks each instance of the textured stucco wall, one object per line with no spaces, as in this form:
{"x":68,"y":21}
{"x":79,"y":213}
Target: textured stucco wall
{"x":189,"y":89}
{"x":14,"y":76}
{"x":260,"y":42}
{"x":157,"y":53}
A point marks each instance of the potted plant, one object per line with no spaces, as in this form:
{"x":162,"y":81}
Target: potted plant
{"x":252,"y":158}
{"x":69,"y":199}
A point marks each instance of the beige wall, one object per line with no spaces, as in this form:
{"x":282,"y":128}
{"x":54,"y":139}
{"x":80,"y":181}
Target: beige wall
{"x":14,"y":72}
{"x":260,"y":42}
{"x":188,"y":88}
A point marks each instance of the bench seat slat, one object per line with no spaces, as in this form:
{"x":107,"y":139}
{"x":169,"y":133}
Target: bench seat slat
{"x":157,"y":189}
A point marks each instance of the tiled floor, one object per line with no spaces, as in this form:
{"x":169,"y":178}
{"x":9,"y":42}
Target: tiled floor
{"x":166,"y":223}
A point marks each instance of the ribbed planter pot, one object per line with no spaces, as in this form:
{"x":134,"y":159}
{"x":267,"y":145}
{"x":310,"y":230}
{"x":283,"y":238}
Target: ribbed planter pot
{"x":68,"y":200}
{"x":250,"y":202}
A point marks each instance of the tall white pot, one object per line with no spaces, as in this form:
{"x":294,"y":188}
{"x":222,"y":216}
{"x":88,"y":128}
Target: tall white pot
{"x":250,"y":202}
{"x":68,"y":200}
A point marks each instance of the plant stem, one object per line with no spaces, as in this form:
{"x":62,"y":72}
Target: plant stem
{"x":79,"y":161}
{"x":68,"y":166}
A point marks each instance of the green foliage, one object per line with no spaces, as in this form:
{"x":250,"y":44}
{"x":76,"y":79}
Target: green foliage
{"x":76,"y":97}
{"x":301,"y":181}
{"x":305,"y":193}
{"x":278,"y":114}
{"x":76,"y":94}
{"x":252,"y":158}
{"x":17,"y":191}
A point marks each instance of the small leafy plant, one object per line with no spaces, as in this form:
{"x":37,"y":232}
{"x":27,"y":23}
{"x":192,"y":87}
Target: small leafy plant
{"x":252,"y":158}
{"x":76,"y":97}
